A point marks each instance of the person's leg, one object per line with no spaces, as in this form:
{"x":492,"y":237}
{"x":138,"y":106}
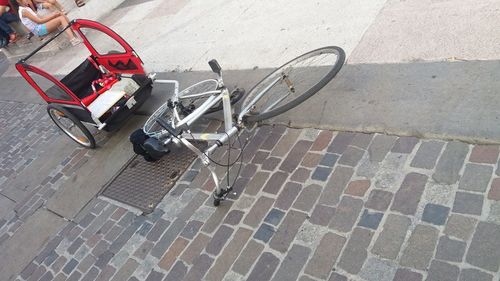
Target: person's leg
{"x":60,"y":21}
{"x":5,"y":27}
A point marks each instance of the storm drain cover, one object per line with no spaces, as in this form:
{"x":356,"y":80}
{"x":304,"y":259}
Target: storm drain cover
{"x":143,"y":184}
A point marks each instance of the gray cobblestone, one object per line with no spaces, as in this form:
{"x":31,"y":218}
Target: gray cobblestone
{"x":450,"y":250}
{"x":354,"y":254}
{"x":420,"y":247}
{"x":484,"y":250}
{"x":388,"y":243}
{"x":380,"y":146}
{"x":292,"y":264}
{"x":468,"y":203}
{"x":441,"y":271}
{"x":376,"y":269}
{"x":476,"y":177}
{"x":450,"y":163}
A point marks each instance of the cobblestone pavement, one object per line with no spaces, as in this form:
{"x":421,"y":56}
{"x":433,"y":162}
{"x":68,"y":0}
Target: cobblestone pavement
{"x":310,"y":205}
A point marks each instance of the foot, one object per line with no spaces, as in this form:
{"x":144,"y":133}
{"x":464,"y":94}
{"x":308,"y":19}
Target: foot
{"x":12,"y":37}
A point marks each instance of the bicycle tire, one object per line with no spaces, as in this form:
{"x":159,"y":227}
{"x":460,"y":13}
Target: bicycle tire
{"x":57,"y":112}
{"x":290,"y":85}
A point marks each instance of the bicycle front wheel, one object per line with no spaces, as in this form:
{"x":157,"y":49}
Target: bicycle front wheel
{"x":292,"y":83}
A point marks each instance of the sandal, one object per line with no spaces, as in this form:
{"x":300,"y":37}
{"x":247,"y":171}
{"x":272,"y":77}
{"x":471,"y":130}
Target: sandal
{"x":80,"y":3}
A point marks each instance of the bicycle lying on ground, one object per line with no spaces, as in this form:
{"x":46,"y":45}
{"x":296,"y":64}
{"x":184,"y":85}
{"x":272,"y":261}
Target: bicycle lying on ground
{"x":280,"y":91}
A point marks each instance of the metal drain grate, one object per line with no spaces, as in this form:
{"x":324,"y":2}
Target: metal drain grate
{"x":143,"y":184}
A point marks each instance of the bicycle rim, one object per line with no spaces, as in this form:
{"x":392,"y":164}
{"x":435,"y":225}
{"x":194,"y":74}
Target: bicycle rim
{"x":294,"y":82}
{"x":69,"y":127}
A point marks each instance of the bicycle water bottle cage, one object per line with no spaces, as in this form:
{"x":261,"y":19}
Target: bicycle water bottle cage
{"x":165,"y":125}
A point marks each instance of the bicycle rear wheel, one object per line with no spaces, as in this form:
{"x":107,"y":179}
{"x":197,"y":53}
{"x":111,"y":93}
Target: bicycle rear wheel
{"x":293,"y":83}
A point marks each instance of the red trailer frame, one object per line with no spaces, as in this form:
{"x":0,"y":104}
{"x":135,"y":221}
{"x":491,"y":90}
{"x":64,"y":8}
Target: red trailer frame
{"x":93,"y":93}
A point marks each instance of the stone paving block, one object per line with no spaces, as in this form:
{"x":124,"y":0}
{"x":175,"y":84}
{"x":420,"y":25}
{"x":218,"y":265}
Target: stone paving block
{"x":194,"y":248}
{"x":264,"y":268}
{"x":329,"y":160}
{"x":337,"y":277}
{"x":441,"y":271}
{"x":376,"y":269}
{"x":460,"y":227}
{"x":340,"y":142}
{"x":249,"y":255}
{"x":229,"y":255}
{"x":216,"y":218}
{"x":153,"y":276}
{"x":294,"y":157}
{"x":420,"y":247}
{"x":484,"y":154}
{"x":404,"y":144}
{"x":362,"y":140}
{"x":322,"y":141}
{"x":274,"y":217}
{"x":287,"y":141}
{"x":270,"y":164}
{"x":178,"y":272}
{"x":468,"y":203}
{"x":358,"y":188}
{"x":321,"y":173}
{"x":248,"y":171}
{"x":355,"y":253}
{"x":287,"y":195}
{"x":435,"y":214}
{"x":292,"y":264}
{"x":484,"y":250}
{"x":200,"y":267}
{"x":272,"y":140}
{"x":325,"y":256}
{"x":476,"y":177}
{"x":287,"y":231}
{"x":380,"y":146}
{"x":403,"y":274}
{"x":370,"y":219}
{"x":259,"y":157}
{"x":68,"y":268}
{"x":450,"y":250}
{"x":336,"y":185}
{"x":408,"y":196}
{"x":233,"y":217}
{"x":322,"y":215}
{"x":219,"y":239}
{"x":275,"y":183}
{"x":379,"y":200}
{"x":256,"y":183}
{"x":258,"y":211}
{"x":311,"y":160}
{"x":126,"y":270}
{"x":172,"y":253}
{"x":168,"y":238}
{"x":264,"y":233}
{"x":346,"y":214}
{"x":307,"y":197}
{"x":392,"y":237}
{"x":351,"y":156}
{"x":494,"y":193}
{"x":450,"y":163}
{"x":191,"y":229}
{"x":472,"y":274}
{"x":301,"y":175}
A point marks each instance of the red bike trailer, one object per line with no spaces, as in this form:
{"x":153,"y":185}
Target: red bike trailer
{"x":103,"y":91}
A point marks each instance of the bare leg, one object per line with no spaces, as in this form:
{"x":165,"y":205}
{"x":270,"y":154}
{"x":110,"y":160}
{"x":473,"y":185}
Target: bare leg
{"x":60,"y":21}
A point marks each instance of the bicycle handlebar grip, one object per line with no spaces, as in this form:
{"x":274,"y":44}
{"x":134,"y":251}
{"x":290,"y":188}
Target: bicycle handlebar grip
{"x":164,"y":124}
{"x":215,"y":66}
